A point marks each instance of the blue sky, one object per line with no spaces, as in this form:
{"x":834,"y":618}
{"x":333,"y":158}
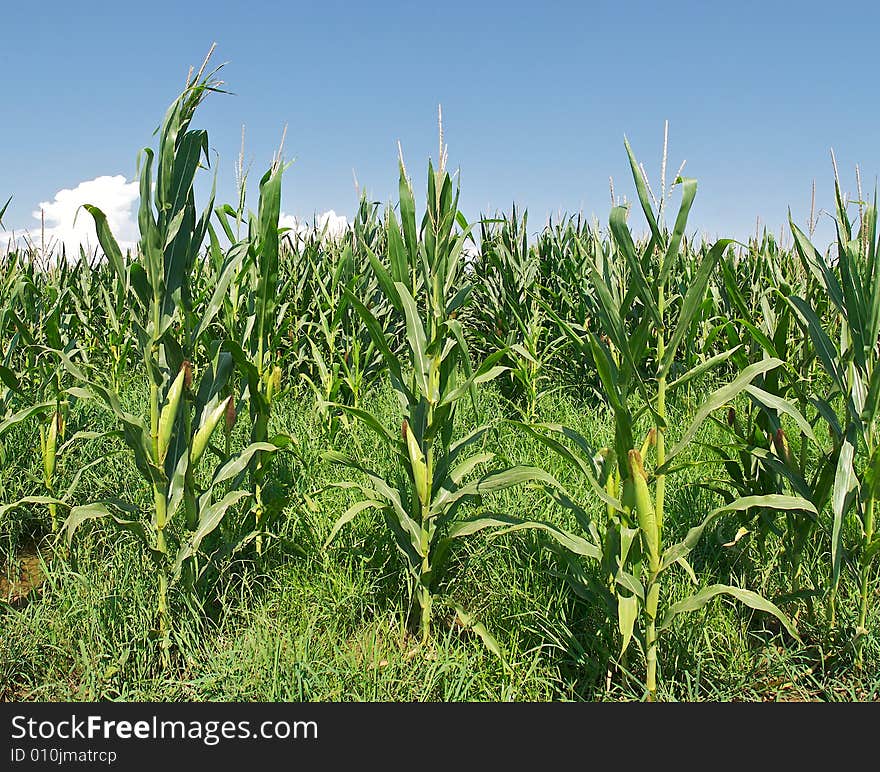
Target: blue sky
{"x":536,"y":99}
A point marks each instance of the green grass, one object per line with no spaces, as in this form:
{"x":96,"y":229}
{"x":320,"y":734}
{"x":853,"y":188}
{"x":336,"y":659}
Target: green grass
{"x":310,"y":624}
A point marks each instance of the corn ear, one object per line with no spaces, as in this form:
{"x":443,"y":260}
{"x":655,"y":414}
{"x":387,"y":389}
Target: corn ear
{"x":780,"y":442}
{"x":645,"y":508}
{"x":187,"y":368}
{"x":204,"y":432}
{"x":417,"y":462}
{"x":230,"y":413}
{"x":627,"y":498}
{"x":434,"y":380}
{"x":49,"y":450}
{"x":169,"y":413}
{"x":272,"y":380}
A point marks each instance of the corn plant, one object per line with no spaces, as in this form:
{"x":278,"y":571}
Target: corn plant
{"x":40,"y":312}
{"x":36,"y":315}
{"x":508,"y":313}
{"x":344,"y":357}
{"x":258,"y":289}
{"x":184,"y":410}
{"x":760,"y":457}
{"x":108,"y":321}
{"x":853,"y":364}
{"x":326,"y":332}
{"x":9,"y":338}
{"x":425,"y":285}
{"x":630,"y":545}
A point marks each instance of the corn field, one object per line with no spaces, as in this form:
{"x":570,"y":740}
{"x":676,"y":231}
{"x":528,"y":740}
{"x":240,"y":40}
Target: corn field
{"x":437,"y":459}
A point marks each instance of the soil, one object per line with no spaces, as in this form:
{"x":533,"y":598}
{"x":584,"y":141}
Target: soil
{"x":22,"y":576}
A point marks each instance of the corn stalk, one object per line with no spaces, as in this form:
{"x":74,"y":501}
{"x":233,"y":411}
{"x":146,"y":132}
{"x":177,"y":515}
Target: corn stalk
{"x":424,"y":284}
{"x":184,"y":410}
{"x":630,"y":545}
{"x":853,"y":365}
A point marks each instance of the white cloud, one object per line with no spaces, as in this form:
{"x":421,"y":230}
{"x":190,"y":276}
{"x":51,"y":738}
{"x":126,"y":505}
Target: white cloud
{"x":68,"y":225}
{"x":112,"y":195}
{"x":334,"y":225}
{"x":118,"y":198}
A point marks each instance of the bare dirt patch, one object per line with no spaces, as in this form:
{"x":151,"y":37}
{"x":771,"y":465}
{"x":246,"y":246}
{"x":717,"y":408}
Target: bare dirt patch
{"x":22,"y":577}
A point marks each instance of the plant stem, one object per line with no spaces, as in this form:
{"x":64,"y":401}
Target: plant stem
{"x":661,"y":411}
{"x":425,"y":578}
{"x":653,"y":601}
{"x":164,"y":631}
{"x":863,"y":608}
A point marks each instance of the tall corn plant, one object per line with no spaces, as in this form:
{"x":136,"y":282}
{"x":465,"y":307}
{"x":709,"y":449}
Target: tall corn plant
{"x":259,"y":329}
{"x":852,"y":285}
{"x":762,"y":456}
{"x":425,"y":284}
{"x":634,"y":361}
{"x":184,"y":411}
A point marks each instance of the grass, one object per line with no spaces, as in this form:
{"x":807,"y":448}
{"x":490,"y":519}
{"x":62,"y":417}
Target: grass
{"x":310,"y":624}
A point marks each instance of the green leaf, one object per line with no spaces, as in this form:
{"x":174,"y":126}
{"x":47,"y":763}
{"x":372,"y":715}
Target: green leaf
{"x":408,"y":216}
{"x":470,"y":623}
{"x":642,"y":190}
{"x":378,"y":336}
{"x":24,"y":414}
{"x":107,"y":240}
{"x":239,"y":463}
{"x":783,"y":406}
{"x":398,"y":264}
{"x":486,"y":372}
{"x":221,"y":289}
{"x":266,"y":250}
{"x":99,"y":511}
{"x":209,"y":518}
{"x":716,"y":399}
{"x":353,"y":511}
{"x":693,"y":299}
{"x":41,"y":500}
{"x":367,"y":419}
{"x":496,"y":481}
{"x":405,"y":523}
{"x":870,"y":551}
{"x":415,"y":335}
{"x":586,"y":468}
{"x":769,"y":501}
{"x":68,"y":493}
{"x":749,"y":598}
{"x":572,"y":542}
{"x":702,"y":368}
{"x":623,"y":238}
{"x":3,"y":210}
{"x":688,"y":193}
{"x":627,"y":613}
{"x":610,"y":317}
{"x":10,"y":379}
{"x":824,"y":348}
